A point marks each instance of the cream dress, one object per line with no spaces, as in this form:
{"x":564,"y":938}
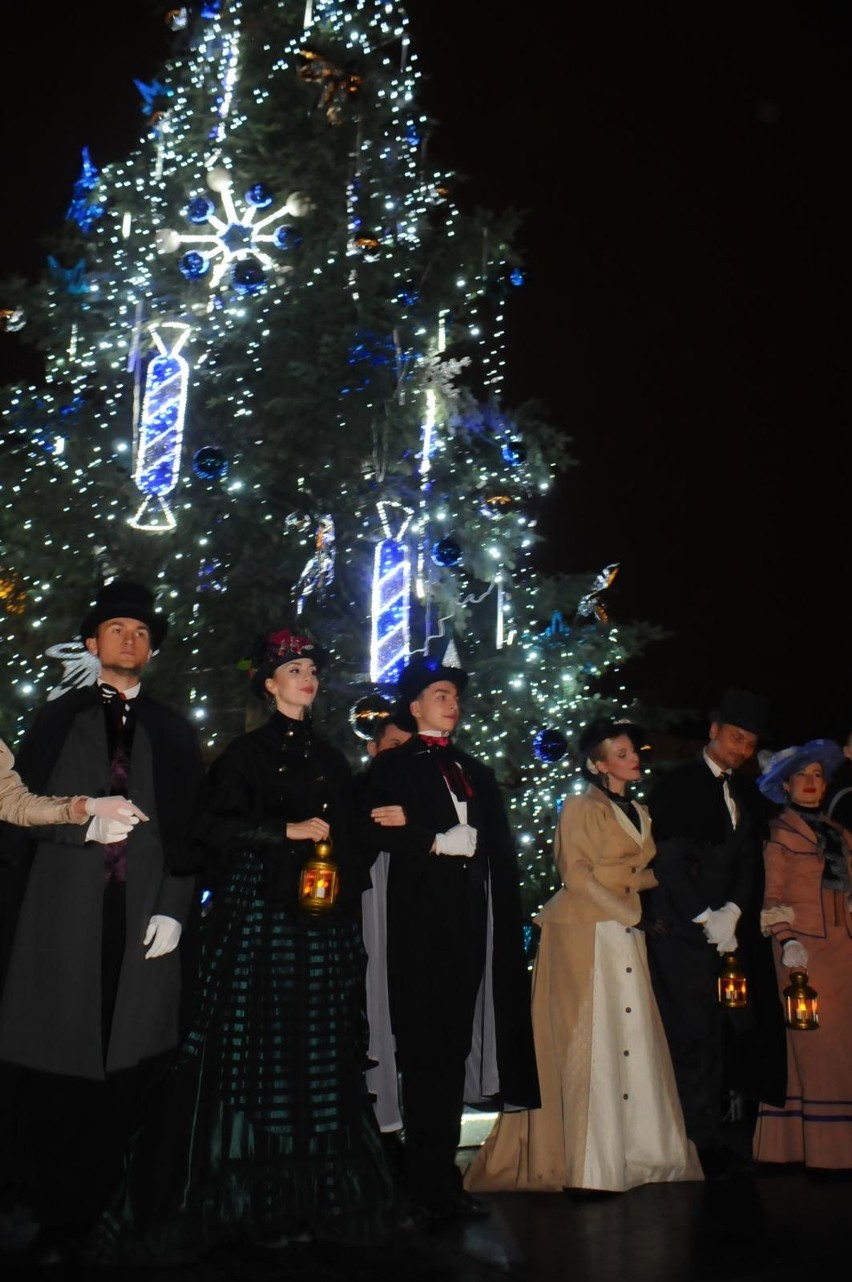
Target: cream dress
{"x":610,"y":1117}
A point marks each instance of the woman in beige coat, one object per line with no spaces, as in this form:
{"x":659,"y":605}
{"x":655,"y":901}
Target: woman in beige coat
{"x":610,"y":1117}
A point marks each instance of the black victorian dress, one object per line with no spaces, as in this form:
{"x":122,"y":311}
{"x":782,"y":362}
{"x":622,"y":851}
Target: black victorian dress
{"x":264,"y":1129}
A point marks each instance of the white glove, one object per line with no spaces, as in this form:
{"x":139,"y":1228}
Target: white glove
{"x":106,"y":830}
{"x":460,"y":840}
{"x":729,"y":946}
{"x":794,"y":955}
{"x":115,"y":808}
{"x":162,"y":934}
{"x":721,"y":924}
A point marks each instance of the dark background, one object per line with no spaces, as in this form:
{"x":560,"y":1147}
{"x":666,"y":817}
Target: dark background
{"x":683,"y":173}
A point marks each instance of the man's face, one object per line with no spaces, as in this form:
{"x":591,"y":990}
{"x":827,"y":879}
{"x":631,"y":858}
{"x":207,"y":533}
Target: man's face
{"x":391,"y":738}
{"x":730,"y":746}
{"x":123,"y":647}
{"x":437,"y":708}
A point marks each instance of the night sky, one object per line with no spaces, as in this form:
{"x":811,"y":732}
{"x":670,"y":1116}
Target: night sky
{"x":683,"y":173}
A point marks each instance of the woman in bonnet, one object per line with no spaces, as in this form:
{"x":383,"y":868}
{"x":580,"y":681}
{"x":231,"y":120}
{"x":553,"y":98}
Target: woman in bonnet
{"x":806,"y":911}
{"x":266,"y":1132}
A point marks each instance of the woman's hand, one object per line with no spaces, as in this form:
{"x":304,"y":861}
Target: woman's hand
{"x":307,"y":830}
{"x":388,"y":816}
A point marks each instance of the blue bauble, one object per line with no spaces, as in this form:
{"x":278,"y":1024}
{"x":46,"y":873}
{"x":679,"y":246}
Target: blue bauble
{"x":209,"y":463}
{"x":550,"y":745}
{"x":194,"y":265}
{"x":199,"y":209}
{"x":286,"y":237}
{"x":513,"y":452}
{"x":210,"y":8}
{"x":446,"y":553}
{"x":259,"y":195}
{"x":248,"y":277}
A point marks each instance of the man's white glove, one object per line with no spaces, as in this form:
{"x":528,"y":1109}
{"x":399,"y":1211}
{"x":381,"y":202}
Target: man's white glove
{"x":460,"y":840}
{"x":794,"y":955}
{"x":720,"y":927}
{"x":107,"y":830}
{"x":162,"y":934}
{"x":114,"y":808}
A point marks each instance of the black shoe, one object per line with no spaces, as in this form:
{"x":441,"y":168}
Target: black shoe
{"x":470,"y":1207}
{"x":724,"y":1164}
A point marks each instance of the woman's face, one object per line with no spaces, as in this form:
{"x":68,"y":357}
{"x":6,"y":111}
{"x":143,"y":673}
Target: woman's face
{"x":293,"y":686}
{"x":621,"y":762}
{"x":807,"y":786}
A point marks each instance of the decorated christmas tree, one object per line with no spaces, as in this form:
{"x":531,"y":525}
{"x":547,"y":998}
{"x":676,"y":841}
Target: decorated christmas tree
{"x":272,"y":346}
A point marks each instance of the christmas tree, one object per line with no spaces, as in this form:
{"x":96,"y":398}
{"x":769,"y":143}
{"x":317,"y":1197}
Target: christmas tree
{"x":272,"y":346}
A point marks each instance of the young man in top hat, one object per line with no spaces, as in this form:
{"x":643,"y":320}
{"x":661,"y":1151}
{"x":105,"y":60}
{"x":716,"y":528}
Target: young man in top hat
{"x":90,"y":1007}
{"x":458,"y":976}
{"x":708,"y":823}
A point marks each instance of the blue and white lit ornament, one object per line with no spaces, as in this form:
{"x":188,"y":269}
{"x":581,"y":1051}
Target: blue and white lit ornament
{"x":550,"y":745}
{"x":446,"y":553}
{"x":209,"y":463}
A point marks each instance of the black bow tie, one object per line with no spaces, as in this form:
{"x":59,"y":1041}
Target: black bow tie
{"x":109,"y":693}
{"x":724,"y":778}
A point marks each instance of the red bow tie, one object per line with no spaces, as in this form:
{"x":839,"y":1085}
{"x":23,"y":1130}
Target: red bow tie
{"x":436,"y":740}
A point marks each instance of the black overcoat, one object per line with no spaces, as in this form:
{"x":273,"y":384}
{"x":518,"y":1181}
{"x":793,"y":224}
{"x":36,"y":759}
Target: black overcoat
{"x":50,"y":1013}
{"x":430,"y":900}
{"x":703,"y":861}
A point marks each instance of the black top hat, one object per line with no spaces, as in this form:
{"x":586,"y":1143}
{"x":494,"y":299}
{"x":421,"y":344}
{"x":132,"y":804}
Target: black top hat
{"x":422,"y":671}
{"x":122,"y":599}
{"x":269,"y":652}
{"x":744,"y":709}
{"x":608,"y":728}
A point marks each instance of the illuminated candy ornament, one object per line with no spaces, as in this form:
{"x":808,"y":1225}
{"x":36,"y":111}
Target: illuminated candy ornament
{"x":550,"y":745}
{"x":368,"y":245}
{"x":158,"y":449}
{"x":367,"y":714}
{"x":209,"y":463}
{"x":446,"y":553}
{"x":389,"y":639}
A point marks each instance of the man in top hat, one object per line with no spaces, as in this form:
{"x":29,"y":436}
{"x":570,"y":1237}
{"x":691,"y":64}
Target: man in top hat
{"x":708,"y":823}
{"x":90,"y":1007}
{"x":457,"y":973}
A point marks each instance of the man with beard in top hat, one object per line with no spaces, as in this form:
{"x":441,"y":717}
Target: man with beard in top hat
{"x":90,"y":1010}
{"x":457,"y":973}
{"x":709,"y":823}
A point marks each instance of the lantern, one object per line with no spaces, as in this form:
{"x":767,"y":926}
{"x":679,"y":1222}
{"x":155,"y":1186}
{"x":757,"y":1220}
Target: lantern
{"x":732,"y":984}
{"x":801,"y":1005}
{"x":320,"y":881}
